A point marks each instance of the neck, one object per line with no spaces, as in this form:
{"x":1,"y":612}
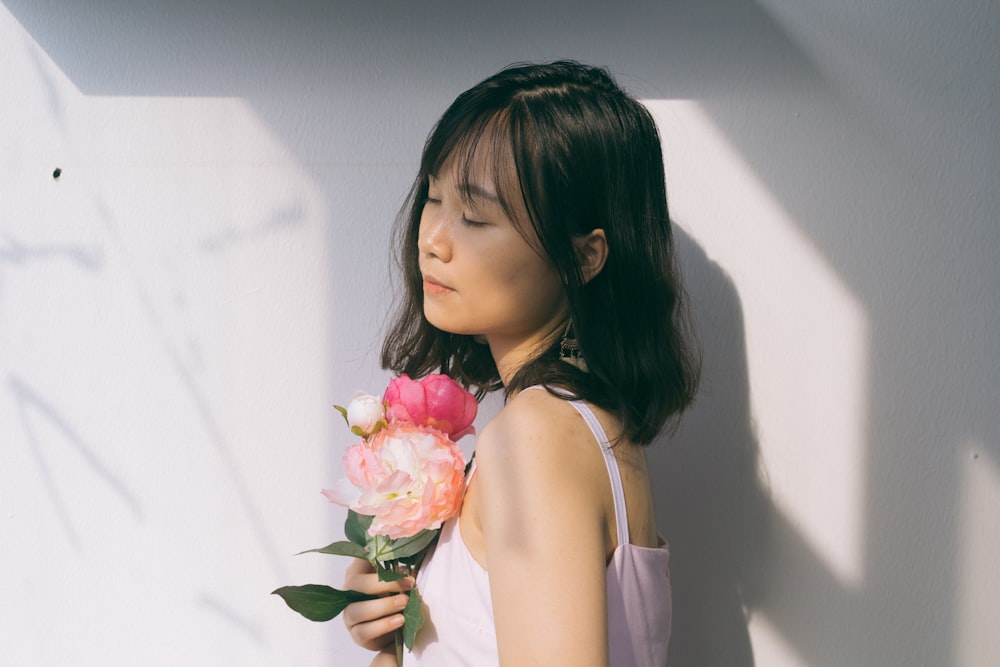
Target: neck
{"x":511,"y":356}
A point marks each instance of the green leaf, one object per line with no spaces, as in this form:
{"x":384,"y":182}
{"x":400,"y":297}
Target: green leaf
{"x":340,"y":549}
{"x":385,"y":574}
{"x":343,"y":412}
{"x":376,"y":427}
{"x":413,"y":618}
{"x":356,"y":527}
{"x":383,"y":549}
{"x":317,"y":602}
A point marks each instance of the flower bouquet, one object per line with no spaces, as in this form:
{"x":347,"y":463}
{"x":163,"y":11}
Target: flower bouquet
{"x":403,"y":480}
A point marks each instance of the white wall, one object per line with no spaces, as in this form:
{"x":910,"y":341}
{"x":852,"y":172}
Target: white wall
{"x":180,"y":307}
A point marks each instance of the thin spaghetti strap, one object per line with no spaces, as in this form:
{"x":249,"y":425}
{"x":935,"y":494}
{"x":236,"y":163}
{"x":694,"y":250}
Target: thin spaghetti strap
{"x":617,"y":490}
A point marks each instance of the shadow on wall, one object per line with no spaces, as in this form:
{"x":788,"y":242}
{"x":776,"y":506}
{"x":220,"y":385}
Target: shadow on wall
{"x":707,"y":483}
{"x":348,"y":68}
{"x":851,"y":148}
{"x":36,"y":413}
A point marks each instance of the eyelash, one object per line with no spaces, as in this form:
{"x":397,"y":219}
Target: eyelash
{"x":465,"y":220}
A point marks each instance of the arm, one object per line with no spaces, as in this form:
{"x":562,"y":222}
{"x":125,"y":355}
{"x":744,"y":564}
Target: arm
{"x":372,"y":623}
{"x":544,"y":527}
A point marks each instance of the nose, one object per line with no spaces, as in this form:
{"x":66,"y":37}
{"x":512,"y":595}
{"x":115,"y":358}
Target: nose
{"x":434,"y":238}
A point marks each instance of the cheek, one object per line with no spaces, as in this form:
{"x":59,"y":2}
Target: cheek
{"x":532,"y":284}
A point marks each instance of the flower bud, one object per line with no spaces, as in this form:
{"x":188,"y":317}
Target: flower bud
{"x":365,"y":414}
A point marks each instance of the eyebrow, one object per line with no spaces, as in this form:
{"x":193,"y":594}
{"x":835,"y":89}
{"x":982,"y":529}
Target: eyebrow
{"x":474,"y":191}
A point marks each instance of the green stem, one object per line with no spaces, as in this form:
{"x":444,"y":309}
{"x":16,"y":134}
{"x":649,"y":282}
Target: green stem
{"x":402,"y":568}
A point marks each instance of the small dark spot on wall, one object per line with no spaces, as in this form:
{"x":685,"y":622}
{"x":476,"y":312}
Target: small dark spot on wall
{"x":56,"y":174}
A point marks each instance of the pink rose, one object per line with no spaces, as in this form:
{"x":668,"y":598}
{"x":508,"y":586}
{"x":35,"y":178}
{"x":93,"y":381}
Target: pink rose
{"x":436,"y":401}
{"x":408,"y":478}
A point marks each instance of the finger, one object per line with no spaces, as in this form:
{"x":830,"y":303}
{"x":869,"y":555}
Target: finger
{"x":369,"y":612}
{"x":359,"y":566}
{"x":378,"y":634}
{"x":385,"y":658}
{"x":382,"y":643}
{"x":382,"y":634}
{"x":370,"y":584}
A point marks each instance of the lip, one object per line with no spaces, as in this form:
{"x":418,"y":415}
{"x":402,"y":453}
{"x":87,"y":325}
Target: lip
{"x":432,"y":286}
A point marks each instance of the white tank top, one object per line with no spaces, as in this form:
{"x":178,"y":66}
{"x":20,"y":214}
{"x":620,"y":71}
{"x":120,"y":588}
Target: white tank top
{"x":459,"y":628}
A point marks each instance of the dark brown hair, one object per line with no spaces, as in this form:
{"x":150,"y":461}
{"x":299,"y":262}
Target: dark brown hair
{"x":586,"y":156}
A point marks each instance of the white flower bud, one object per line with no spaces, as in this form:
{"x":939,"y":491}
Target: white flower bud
{"x":365,"y":414}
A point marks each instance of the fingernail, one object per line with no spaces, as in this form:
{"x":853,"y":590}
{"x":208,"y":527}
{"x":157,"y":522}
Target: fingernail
{"x":397,"y":620}
{"x":401,"y":600}
{"x":407,"y":583}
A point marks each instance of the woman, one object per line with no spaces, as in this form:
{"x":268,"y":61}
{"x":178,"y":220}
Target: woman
{"x":538,"y":259}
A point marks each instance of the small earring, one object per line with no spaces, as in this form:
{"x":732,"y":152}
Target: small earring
{"x":569,"y":349}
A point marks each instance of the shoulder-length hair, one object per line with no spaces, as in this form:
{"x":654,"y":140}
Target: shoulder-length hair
{"x":585,"y":156}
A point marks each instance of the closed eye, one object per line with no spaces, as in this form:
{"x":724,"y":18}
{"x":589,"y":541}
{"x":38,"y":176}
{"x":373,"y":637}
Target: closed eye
{"x":473,"y":223}
{"x":466,"y":220}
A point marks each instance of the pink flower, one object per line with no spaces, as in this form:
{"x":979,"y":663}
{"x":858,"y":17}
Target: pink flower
{"x":407,"y":477}
{"x":436,"y":401}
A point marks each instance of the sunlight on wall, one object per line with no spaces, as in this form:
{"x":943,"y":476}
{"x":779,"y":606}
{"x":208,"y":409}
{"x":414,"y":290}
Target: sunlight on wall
{"x":806,"y":337}
{"x":978,"y":642}
{"x":162,"y":383}
{"x":771,"y":648}
{"x":180,"y":304}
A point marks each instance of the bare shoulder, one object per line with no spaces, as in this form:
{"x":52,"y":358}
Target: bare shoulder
{"x":542,"y":494}
{"x":535,"y":425}
{"x":539,"y":448}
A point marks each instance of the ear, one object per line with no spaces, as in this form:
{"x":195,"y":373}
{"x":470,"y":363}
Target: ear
{"x":592,"y":252}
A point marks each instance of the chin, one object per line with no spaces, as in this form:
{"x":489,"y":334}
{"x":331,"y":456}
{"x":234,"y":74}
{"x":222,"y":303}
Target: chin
{"x":440,"y":323}
{"x":444,"y":324}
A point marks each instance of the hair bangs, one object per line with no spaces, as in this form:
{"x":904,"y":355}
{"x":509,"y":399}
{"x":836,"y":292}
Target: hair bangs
{"x":481,"y":154}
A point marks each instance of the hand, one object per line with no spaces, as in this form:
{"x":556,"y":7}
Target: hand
{"x":385,"y":658}
{"x":372,"y":623}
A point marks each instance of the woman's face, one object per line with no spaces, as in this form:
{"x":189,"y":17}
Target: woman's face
{"x":481,"y":277}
